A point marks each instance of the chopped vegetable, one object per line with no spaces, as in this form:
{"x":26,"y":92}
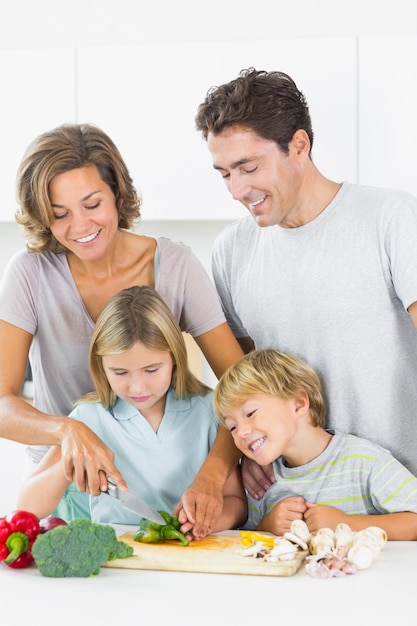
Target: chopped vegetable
{"x":18,"y":531}
{"x":151,"y":532}
{"x":250,"y":536}
{"x":77,"y":549}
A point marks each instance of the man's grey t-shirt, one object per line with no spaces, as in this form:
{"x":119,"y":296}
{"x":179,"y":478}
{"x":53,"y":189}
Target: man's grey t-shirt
{"x":335,"y":293}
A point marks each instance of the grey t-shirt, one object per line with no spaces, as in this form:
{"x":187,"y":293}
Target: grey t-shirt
{"x":335,"y":293}
{"x":38,"y":294}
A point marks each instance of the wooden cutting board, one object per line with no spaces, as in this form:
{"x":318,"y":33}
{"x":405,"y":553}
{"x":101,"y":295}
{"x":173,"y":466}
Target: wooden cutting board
{"x":214,"y":554}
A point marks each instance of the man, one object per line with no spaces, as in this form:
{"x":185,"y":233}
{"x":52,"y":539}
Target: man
{"x":326,"y":271}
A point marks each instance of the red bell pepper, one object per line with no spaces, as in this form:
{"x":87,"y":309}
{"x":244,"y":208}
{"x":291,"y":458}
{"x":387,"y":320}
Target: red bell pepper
{"x":18,"y":532}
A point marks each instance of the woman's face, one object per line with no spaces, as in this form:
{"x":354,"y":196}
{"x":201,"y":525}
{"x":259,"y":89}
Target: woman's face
{"x":86,"y":218}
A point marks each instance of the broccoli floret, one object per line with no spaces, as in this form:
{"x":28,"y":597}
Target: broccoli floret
{"x":121,"y":550}
{"x":78,"y":549}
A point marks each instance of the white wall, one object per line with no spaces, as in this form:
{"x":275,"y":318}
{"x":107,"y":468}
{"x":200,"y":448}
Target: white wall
{"x":49,"y":24}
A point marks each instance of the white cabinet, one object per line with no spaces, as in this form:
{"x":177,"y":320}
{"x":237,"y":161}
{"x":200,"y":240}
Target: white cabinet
{"x":362,"y":94}
{"x":388,"y":112}
{"x":146,"y":97}
{"x":38,"y":93}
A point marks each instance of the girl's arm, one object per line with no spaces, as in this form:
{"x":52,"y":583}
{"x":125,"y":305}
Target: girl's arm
{"x":43,"y":489}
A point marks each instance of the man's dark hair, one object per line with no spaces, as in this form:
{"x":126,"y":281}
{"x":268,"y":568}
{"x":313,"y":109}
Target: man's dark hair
{"x":269,"y":103}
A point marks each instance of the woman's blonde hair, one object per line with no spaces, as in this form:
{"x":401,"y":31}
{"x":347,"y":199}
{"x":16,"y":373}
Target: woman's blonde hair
{"x":271,"y":372}
{"x":65,"y":148}
{"x":132,"y":315}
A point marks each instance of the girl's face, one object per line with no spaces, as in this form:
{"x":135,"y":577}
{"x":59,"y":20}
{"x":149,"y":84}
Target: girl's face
{"x":264,"y":427}
{"x":141,"y":377}
{"x":86,"y":217}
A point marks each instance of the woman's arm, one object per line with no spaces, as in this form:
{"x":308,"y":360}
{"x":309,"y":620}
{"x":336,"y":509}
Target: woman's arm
{"x":221,"y":349}
{"x":235,"y":504}
{"x":83,"y":453}
{"x":42,"y":490}
{"x":19,"y":420}
{"x":202,"y":502}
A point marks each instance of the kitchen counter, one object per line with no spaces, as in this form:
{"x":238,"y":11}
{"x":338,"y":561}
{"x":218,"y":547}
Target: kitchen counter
{"x":385,"y":593}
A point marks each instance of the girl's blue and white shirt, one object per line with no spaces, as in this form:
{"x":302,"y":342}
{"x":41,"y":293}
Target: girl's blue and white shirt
{"x":157,"y":466}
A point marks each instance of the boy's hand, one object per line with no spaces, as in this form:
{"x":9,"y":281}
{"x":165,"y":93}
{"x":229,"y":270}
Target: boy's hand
{"x":319,"y":516}
{"x":279,"y":520}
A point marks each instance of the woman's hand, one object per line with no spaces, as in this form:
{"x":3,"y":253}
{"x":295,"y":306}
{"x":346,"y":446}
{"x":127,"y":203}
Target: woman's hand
{"x":257,"y":479}
{"x":87,"y":461}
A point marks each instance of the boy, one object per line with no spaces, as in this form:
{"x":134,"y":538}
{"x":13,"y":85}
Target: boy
{"x":273,"y":406}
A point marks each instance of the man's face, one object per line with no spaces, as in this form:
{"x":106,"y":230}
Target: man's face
{"x":259,"y":175}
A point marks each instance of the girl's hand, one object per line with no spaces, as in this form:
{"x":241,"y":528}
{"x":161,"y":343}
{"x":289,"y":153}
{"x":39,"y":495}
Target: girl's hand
{"x":186,"y":525}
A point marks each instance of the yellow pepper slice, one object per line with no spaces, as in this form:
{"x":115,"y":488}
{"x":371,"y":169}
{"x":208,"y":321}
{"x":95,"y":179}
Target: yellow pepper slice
{"x":250,"y":536}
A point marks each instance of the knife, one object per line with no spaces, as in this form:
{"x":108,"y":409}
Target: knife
{"x":133,"y":503}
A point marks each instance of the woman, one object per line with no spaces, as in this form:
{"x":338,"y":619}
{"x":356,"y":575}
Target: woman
{"x":77,"y":204}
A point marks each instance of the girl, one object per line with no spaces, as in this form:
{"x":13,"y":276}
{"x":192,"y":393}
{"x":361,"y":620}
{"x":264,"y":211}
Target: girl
{"x":148,"y":407}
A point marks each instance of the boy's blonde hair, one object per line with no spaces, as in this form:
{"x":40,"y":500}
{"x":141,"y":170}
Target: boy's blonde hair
{"x":132,"y":315}
{"x":271,"y":372}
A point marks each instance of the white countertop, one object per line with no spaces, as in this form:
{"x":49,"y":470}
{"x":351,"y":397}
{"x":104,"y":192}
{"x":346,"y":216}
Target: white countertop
{"x":384,"y":592}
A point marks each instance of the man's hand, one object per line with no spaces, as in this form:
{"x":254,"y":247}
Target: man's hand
{"x":256,"y":478}
{"x":87,"y":460}
{"x":199,"y":508}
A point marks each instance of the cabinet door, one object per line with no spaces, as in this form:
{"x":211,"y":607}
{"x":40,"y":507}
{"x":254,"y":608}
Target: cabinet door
{"x":388,"y":112}
{"x":146,"y":98}
{"x":38,"y":93}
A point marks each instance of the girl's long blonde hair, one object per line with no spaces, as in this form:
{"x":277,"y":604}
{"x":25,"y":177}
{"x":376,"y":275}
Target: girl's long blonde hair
{"x":132,"y":315}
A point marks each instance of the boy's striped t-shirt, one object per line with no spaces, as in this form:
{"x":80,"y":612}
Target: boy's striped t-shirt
{"x":352,"y":474}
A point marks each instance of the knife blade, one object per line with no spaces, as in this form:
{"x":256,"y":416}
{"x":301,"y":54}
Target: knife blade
{"x":132,"y":503}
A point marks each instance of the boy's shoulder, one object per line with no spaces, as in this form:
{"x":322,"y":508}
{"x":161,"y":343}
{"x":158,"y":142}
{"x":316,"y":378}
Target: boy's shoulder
{"x":360,"y":443}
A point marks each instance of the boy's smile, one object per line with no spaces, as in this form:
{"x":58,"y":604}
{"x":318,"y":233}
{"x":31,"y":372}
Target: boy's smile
{"x":264,"y":426}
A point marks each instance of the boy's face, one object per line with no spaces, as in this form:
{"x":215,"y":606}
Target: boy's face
{"x":264,"y":426}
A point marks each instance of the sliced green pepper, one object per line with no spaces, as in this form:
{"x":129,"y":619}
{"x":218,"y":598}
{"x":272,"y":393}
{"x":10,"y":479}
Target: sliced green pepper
{"x":151,"y":532}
